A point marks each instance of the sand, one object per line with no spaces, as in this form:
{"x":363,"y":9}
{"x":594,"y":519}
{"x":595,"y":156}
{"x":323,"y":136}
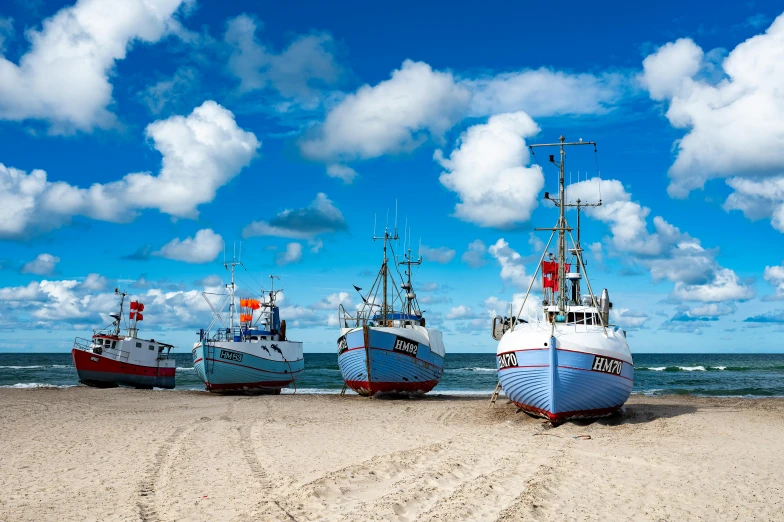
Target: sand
{"x":86,"y":454}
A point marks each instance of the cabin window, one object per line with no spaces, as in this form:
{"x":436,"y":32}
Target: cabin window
{"x":114,"y":343}
{"x":152,"y":347}
{"x":138,"y":345}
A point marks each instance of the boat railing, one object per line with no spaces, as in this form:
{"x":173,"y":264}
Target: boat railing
{"x":83,"y":344}
{"x":236,"y":334}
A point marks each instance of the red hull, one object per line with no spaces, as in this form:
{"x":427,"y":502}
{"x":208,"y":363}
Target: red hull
{"x":557,"y":418}
{"x":97,"y":370}
{"x":365,"y":388}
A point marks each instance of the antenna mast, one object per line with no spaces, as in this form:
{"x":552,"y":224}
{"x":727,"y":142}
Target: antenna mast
{"x":231,"y":286}
{"x":561,"y":228}
{"x":385,"y":268}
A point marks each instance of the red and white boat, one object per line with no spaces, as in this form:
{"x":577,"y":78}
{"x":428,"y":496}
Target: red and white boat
{"x":110,"y":359}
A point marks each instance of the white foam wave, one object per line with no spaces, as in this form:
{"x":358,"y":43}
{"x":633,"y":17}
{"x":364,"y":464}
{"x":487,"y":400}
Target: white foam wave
{"x":474,"y":369}
{"x":692,"y":368}
{"x":719,"y":367}
{"x":186,"y":369}
{"x":658,"y":368}
{"x":32,"y":385}
{"x":35,"y":366}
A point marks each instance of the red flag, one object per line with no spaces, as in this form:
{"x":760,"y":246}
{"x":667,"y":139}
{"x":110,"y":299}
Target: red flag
{"x":139,"y":316}
{"x":141,"y":305}
{"x":134,"y":305}
{"x":132,"y":315}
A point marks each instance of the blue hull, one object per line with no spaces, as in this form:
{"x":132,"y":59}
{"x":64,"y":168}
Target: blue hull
{"x":559,"y":384}
{"x":245,"y":372}
{"x":376,"y":367}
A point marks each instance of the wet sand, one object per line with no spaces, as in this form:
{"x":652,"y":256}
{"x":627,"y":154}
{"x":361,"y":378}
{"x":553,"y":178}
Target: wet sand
{"x":86,"y":454}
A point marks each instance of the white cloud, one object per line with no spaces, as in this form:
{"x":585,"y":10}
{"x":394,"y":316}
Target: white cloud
{"x":64,"y":76}
{"x":544,"y":92}
{"x":666,"y":251}
{"x":626,"y":318}
{"x":201,"y":153}
{"x":735,"y":125}
{"x":758,"y":199}
{"x":474,"y":256}
{"x":22,"y":294}
{"x":774,"y":275}
{"x":292,"y":254}
{"x":299,"y":72}
{"x":460,"y":312}
{"x":396,"y":115}
{"x":512,"y":265}
{"x":204,"y":247}
{"x":342,"y":172}
{"x":487,"y":171}
{"x":441,"y":255}
{"x":94,"y":282}
{"x":43,"y":264}
{"x":320,"y":217}
{"x":332,"y":301}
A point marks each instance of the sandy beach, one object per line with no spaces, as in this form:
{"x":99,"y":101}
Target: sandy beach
{"x":86,"y":454}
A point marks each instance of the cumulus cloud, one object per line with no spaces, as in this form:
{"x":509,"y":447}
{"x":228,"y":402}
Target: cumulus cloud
{"x":460,"y":312}
{"x":332,"y":301}
{"x":342,"y":172}
{"x":735,"y":124}
{"x":474,"y":256}
{"x":63,"y":77}
{"x":758,"y":199}
{"x":201,"y":153}
{"x":292,"y":254}
{"x":545,"y":92}
{"x":665,"y":250}
{"x":512,"y":264}
{"x":441,"y":255}
{"x":300,"y":72}
{"x":487,"y":171}
{"x":628,"y":319}
{"x":774,"y":275}
{"x":396,"y":115}
{"x":201,"y":248}
{"x":43,"y":264}
{"x":320,"y":217}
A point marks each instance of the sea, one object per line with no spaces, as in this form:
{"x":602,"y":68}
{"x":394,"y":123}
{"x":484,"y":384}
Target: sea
{"x":715,"y":375}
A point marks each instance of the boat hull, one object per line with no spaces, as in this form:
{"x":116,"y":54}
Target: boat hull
{"x":370,"y":364}
{"x":227,"y":367}
{"x":566,"y":381}
{"x":102,"y":372}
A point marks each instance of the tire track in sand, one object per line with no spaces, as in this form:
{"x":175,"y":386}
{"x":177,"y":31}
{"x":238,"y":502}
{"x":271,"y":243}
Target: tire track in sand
{"x":147,"y":490}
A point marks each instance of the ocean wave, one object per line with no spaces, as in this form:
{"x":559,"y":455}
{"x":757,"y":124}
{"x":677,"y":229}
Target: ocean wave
{"x":37,"y":366}
{"x":473,"y":369}
{"x":35,"y":385}
{"x":672,"y":368}
{"x":186,"y":369}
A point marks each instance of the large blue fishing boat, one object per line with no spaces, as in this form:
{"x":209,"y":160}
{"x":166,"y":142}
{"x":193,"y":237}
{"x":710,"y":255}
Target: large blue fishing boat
{"x":254,"y":356}
{"x":384,"y":349}
{"x":564,"y":360}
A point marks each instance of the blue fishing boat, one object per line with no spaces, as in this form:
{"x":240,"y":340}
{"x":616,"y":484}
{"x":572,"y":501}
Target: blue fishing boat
{"x":564,"y":360}
{"x":254,"y":356}
{"x":386,"y":347}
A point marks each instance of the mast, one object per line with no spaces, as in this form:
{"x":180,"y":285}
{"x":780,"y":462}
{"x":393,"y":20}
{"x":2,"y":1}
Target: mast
{"x":119,"y":319}
{"x":408,"y":287}
{"x":561,"y":228}
{"x":385,"y":270}
{"x":231,"y":288}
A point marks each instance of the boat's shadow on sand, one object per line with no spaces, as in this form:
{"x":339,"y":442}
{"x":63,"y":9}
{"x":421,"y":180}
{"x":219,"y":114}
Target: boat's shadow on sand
{"x":641,"y":413}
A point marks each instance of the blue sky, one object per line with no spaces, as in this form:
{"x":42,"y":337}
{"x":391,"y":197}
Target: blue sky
{"x":137,"y":138}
